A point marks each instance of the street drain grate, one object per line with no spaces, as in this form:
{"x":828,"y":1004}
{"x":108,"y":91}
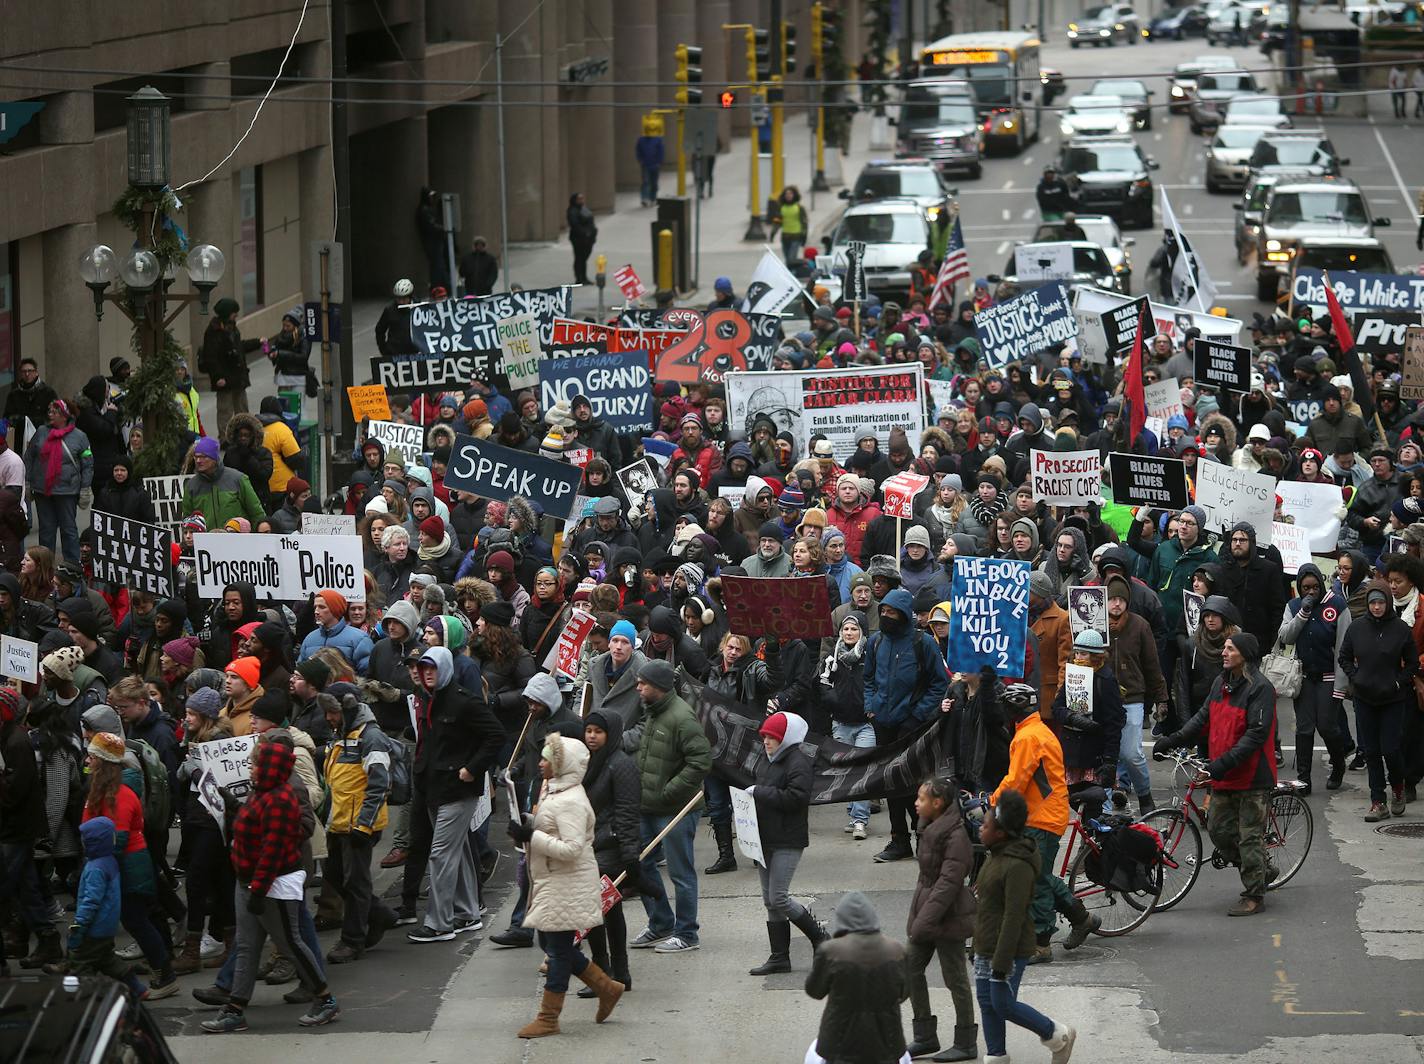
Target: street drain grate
{"x":1403,"y":831}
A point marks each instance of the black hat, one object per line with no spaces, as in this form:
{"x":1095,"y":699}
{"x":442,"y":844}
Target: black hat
{"x":660,"y":674}
{"x":274,"y":706}
{"x":498,"y":613}
{"x":1248,"y":644}
{"x":315,"y":672}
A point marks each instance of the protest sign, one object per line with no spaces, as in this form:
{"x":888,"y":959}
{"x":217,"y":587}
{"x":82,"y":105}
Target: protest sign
{"x":899,"y":493}
{"x":1293,"y":542}
{"x":1314,"y":507}
{"x":134,"y":554}
{"x":1139,"y":480}
{"x":788,"y":607}
{"x":227,"y":760}
{"x":462,"y":326}
{"x":1191,"y":610}
{"x":369,"y":401}
{"x":1380,"y":331}
{"x":283,"y":567}
{"x":836,"y":403}
{"x":1412,"y":386}
{"x":1164,"y":398}
{"x":19,"y":659}
{"x":1019,"y":327}
{"x":329,"y":524}
{"x":494,"y":472}
{"x":409,"y":438}
{"x":567,"y":650}
{"x":167,"y":496}
{"x":1360,"y":291}
{"x":1066,"y":478}
{"x":1222,"y":365}
{"x":1229,"y":495}
{"x":1088,"y":610}
{"x":692,"y":347}
{"x":1120,"y":327}
{"x":628,"y":282}
{"x":440,"y":373}
{"x":521,"y":350}
{"x":1090,"y":304}
{"x":1078,"y":689}
{"x":617,"y":386}
{"x":1043,"y":262}
{"x":744,"y":819}
{"x":989,"y":604}
{"x":856,"y":290}
{"x":941,"y":396}
{"x":637,"y":480}
{"x":733,"y":494}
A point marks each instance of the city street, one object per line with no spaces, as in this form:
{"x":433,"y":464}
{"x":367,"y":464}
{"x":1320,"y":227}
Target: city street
{"x":1332,"y":971}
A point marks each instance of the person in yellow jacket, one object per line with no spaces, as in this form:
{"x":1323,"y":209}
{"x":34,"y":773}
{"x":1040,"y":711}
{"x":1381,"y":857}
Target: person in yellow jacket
{"x":1036,"y":772}
{"x":187,"y":395}
{"x":288,"y":458}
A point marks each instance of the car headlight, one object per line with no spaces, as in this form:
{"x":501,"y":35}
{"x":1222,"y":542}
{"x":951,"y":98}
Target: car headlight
{"x":1103,"y":33}
{"x":1073,"y":26}
{"x":1008,"y":123}
{"x":1142,"y":183}
{"x":1124,"y":125}
{"x":1273,"y":245}
{"x":1177,"y":92}
{"x":1278,"y":256}
{"x":1066,"y":127}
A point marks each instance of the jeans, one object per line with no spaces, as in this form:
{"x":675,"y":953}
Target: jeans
{"x":776,"y":884}
{"x":677,"y":846}
{"x":453,"y":893}
{"x":306,"y":927}
{"x":791,"y":245}
{"x":719,"y":800}
{"x":19,"y":880}
{"x":565,"y":959}
{"x":648,"y":192}
{"x":1381,"y":732}
{"x":1132,"y":762}
{"x":952,"y":966}
{"x":348,"y":865}
{"x":999,"y":1002}
{"x":57,"y":514}
{"x":1050,"y":894}
{"x":863,"y":736}
{"x":279,"y":919}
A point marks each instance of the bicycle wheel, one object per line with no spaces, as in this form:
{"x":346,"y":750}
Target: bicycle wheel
{"x":1181,"y":853}
{"x":1120,"y":911}
{"x":1290,"y":827}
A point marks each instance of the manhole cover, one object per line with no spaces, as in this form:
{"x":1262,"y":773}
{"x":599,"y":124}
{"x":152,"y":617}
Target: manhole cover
{"x":1090,"y":952}
{"x":1403,"y":831}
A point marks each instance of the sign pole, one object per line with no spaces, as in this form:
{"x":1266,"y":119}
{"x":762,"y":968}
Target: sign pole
{"x":324,"y":426}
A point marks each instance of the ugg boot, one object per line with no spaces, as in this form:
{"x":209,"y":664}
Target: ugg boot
{"x":221,"y":958}
{"x":1060,"y":1043}
{"x":926,"y":1037}
{"x":966,"y":1044}
{"x":190,"y":958}
{"x":778,"y":933}
{"x":547,"y":1021}
{"x":726,"y":856}
{"x":607,"y":990}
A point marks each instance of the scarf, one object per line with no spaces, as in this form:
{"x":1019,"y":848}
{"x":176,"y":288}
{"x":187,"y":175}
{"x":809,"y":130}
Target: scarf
{"x":985,"y":512}
{"x":1210,"y":645}
{"x":1408,"y":606}
{"x":52,"y":452}
{"x":842,"y":657}
{"x":429,"y":553}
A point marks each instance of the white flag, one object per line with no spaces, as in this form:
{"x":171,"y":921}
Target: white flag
{"x":772,"y":288}
{"x":1190,"y":281}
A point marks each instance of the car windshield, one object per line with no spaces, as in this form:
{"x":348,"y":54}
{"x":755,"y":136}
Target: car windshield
{"x":1084,"y":104}
{"x":1256,"y":199}
{"x":944,"y":111}
{"x":1233,"y":82}
{"x":1289,"y":208}
{"x":1370,"y":260}
{"x":1287,"y":153}
{"x":1129,"y":89}
{"x":878,"y":184}
{"x":1102,"y":157}
{"x":1237,"y":137}
{"x":1095,"y":13}
{"x":1254,"y":105}
{"x":898,"y":228}
{"x":1099,"y":231}
{"x":990,"y":81}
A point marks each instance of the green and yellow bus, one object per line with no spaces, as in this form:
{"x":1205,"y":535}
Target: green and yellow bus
{"x":1003,"y":73}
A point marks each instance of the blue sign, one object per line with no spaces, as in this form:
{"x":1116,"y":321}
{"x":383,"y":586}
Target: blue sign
{"x":989,"y":607}
{"x":15,"y":117}
{"x":1041,"y":318}
{"x":1360,"y":291}
{"x":312,"y":325}
{"x":494,"y":472}
{"x":617,"y":384}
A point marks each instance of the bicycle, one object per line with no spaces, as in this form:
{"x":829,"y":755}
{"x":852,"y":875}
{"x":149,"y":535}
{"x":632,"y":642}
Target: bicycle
{"x":1290,"y":826}
{"x":1121,"y":911}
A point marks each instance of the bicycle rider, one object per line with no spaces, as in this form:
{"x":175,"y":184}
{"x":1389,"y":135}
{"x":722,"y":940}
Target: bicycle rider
{"x":1239,"y":720}
{"x":1036,"y":772}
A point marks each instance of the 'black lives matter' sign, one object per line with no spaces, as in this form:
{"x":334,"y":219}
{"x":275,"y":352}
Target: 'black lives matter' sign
{"x":137,"y":555}
{"x":1139,"y":480}
{"x":1222,"y":365}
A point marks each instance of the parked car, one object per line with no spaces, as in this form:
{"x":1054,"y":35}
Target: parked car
{"x":1317,"y":208}
{"x":1134,"y":94}
{"x":1228,"y":156}
{"x":1182,"y":82}
{"x":1213,"y":89}
{"x":1096,"y":116}
{"x":68,"y":1019}
{"x":1109,"y":176}
{"x":1106,"y":24}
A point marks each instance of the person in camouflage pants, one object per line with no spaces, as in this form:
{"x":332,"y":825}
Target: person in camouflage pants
{"x":1237,"y":824}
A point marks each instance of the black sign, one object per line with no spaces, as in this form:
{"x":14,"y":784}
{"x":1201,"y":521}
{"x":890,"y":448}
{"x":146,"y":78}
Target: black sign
{"x":1138,"y":480}
{"x":494,"y":472}
{"x":1222,"y":365}
{"x":134,"y":554}
{"x":856,"y":290}
{"x":1120,"y":327}
{"x":1378,"y":332}
{"x":586,"y":349}
{"x":839,"y":773}
{"x":653,"y":318}
{"x":464,"y":326}
{"x":444,"y":373}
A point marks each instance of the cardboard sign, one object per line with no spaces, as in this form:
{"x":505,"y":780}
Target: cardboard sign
{"x":1043,"y":262}
{"x":461,"y":326}
{"x":1164,"y":398}
{"x":617,"y":385}
{"x":1034,"y":321}
{"x":328,"y":524}
{"x":227,"y":760}
{"x":409,"y":438}
{"x":19,"y":659}
{"x":134,"y":554}
{"x":286,"y":568}
{"x":167,"y":496}
{"x":369,"y":401}
{"x":570,"y":644}
{"x":1229,"y":495}
{"x":637,"y":481}
{"x":1412,"y":386}
{"x":626,"y":278}
{"x":1138,"y":480}
{"x":744,"y":819}
{"x":899,"y":493}
{"x":1314,"y":507}
{"x":788,"y":607}
{"x":1120,"y":327}
{"x":733,"y":494}
{"x":1066,"y":478}
{"x":1222,"y":365}
{"x":520,"y":347}
{"x":495,"y":472}
{"x":1293,"y":542}
{"x":1088,"y":610}
{"x":1191,"y":610}
{"x":989,"y":605}
{"x":1078,"y":689}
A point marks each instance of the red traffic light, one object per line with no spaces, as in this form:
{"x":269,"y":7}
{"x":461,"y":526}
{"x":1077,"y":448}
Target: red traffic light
{"x":728,"y":98}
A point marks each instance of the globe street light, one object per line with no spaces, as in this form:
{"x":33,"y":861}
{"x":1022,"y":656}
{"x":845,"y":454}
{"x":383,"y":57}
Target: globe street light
{"x":206,"y":265}
{"x":97,"y":266}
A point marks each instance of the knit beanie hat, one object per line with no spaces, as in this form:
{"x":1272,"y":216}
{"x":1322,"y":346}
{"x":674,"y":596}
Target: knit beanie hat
{"x":62,"y":662}
{"x":249,"y":670}
{"x":315,"y":672}
{"x":433,"y":527}
{"x":107,"y":746}
{"x":335,"y":602}
{"x":205,"y":702}
{"x":626,"y":630}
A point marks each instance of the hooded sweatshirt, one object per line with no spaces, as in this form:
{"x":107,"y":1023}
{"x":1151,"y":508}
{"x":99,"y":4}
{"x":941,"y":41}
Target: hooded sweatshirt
{"x":457,"y":731}
{"x":903,"y":684}
{"x":267,"y":833}
{"x":98,"y":897}
{"x":783,"y":790}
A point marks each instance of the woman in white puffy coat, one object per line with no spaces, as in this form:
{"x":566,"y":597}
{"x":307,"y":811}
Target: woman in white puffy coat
{"x":564,"y":892}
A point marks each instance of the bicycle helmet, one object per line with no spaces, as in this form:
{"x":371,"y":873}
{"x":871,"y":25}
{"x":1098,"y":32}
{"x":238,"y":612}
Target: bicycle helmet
{"x":403,"y":287}
{"x":1020,"y":695}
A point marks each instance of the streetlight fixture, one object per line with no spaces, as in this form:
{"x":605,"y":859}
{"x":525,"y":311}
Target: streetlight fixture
{"x":150,"y":151}
{"x":97,"y":266}
{"x":206,"y":265}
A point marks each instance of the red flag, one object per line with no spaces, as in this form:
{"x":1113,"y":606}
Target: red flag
{"x":1338,"y":321}
{"x":1132,"y":392}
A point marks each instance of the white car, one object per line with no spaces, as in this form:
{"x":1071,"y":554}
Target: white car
{"x":1097,"y":116}
{"x":1249,"y":109}
{"x":1228,"y":156}
{"x":1100,"y":229}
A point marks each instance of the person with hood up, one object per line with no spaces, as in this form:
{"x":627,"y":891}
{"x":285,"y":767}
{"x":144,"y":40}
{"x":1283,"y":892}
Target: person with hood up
{"x":1315,"y":623}
{"x":564,"y":893}
{"x":862,"y":975}
{"x":1068,"y":564}
{"x":217,"y":492}
{"x":329,"y":612}
{"x":1032,"y":436}
{"x":59,"y":469}
{"x":244,"y":452}
{"x":1023,"y":541}
{"x":593,"y":432}
{"x":96,"y":912}
{"x":735,"y":471}
{"x":124,"y":495}
{"x":755,"y":510}
{"x":614,"y":793}
{"x":919,"y":568}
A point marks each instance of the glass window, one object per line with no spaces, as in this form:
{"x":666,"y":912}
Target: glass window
{"x":9,"y":311}
{"x":882,"y":229}
{"x":249,"y":189}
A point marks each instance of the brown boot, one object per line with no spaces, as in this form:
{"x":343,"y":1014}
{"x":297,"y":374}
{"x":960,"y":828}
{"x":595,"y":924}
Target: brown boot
{"x":547,"y":1022}
{"x":190,"y":958}
{"x":221,"y":958}
{"x":607,"y":990}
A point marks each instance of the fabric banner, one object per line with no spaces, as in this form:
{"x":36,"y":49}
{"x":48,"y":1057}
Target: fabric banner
{"x":773,"y":287}
{"x":1120,"y":327}
{"x":1229,"y":495}
{"x":836,"y":403}
{"x":1066,"y":478}
{"x":495,"y":472}
{"x":1222,"y":365}
{"x":1314,"y":507}
{"x":409,"y":438}
{"x":456,"y":326}
{"x":283,"y":567}
{"x":788,"y":607}
{"x":1020,"y":327}
{"x":134,"y":554}
{"x":1139,"y":480}
{"x":521,"y":350}
{"x":1090,"y":304}
{"x":899,"y":493}
{"x":616,"y":385}
{"x":1360,"y":291}
{"x":167,"y":496}
{"x":989,"y":608}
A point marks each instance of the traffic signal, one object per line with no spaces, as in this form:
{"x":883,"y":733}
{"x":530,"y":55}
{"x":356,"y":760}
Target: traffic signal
{"x":761,"y":50}
{"x":728,"y":99}
{"x":689,"y":72}
{"x":788,"y":49}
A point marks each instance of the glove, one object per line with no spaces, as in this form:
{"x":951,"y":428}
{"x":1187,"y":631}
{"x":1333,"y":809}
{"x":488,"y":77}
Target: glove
{"x":1215,"y":770}
{"x":1161,"y":747}
{"x":1106,"y":774}
{"x":86,"y":498}
{"x":76,"y":938}
{"x":256,"y":903}
{"x":1308,"y":603}
{"x":1080,"y":722}
{"x":522,"y":831}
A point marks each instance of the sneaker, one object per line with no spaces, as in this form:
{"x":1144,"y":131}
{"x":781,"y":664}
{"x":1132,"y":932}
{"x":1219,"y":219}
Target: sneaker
{"x":674,"y":944}
{"x":898,"y":850}
{"x":55,"y":912}
{"x":429,"y":934}
{"x":228,"y":1021}
{"x":516,"y":937}
{"x":298,"y":996}
{"x":463,"y":927}
{"x":405,"y":915}
{"x":158,"y":991}
{"x":850,"y":826}
{"x":132,"y":952}
{"x":1378,"y":811}
{"x":321,"y":1013}
{"x":211,"y":995}
{"x":1358,"y":763}
{"x":1397,"y":804}
{"x":859,"y":833}
{"x":210,"y":948}
{"x":647,"y":939}
{"x":284,"y":971}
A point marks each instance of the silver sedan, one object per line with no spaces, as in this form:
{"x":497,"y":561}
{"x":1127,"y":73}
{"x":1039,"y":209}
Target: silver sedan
{"x":1228,"y":156}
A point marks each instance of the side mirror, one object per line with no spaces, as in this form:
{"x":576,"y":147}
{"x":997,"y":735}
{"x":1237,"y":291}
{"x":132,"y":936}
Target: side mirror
{"x":1344,"y":162}
{"x":993,"y":278}
{"x":1384,"y":222}
{"x":1153,"y":164}
{"x":843,"y":194}
{"x":1129,"y":241}
{"x":1238,"y":206}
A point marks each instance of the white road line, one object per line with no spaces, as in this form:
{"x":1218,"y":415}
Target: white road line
{"x":1007,"y":214}
{"x":1156,"y":136}
{"x":1008,"y":184}
{"x":1186,"y":208}
{"x":1028,"y":160}
{"x":1003,"y":247}
{"x":1399,"y":181}
{"x":1028,"y":213}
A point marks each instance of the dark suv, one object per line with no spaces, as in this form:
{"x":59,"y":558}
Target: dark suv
{"x":54,"y":1019}
{"x":1110,"y":175}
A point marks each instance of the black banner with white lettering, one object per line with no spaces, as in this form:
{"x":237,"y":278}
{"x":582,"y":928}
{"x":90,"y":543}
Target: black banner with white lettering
{"x":1038,"y":320}
{"x":460,"y":326}
{"x":839,"y":773}
{"x":1222,"y":365}
{"x":494,"y":472}
{"x":1120,"y":327}
{"x":1138,"y":480}
{"x":442,"y":373}
{"x":617,"y":386}
{"x":133,"y":554}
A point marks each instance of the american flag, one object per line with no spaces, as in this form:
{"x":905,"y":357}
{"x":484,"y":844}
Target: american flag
{"x":954,"y":269}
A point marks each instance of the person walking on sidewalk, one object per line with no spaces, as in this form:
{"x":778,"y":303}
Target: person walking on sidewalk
{"x":788,"y":214}
{"x":582,"y":233}
{"x":224,"y":359}
{"x":649,"y":152}
{"x":1398,"y":88}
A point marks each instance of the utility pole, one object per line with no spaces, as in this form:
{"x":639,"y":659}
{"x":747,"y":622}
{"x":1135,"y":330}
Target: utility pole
{"x":755,"y":229}
{"x":341,"y":427}
{"x":818,"y":60}
{"x":499,"y":123}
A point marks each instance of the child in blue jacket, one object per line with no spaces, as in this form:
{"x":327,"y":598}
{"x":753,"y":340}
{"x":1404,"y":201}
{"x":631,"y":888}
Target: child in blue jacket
{"x":96,"y":912}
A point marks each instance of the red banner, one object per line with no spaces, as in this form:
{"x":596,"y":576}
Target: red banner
{"x":788,"y":607}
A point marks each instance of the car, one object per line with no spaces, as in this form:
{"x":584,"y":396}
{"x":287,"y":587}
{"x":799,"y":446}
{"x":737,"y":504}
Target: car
{"x":1106,"y":24}
{"x":72,"y":1019}
{"x":901,"y":179}
{"x":1228,"y":156}
{"x":1133,"y":93}
{"x":894,"y":232}
{"x":1213,"y":89}
{"x":1179,"y":23}
{"x":1182,"y":82}
{"x":1252,"y":202}
{"x":1053,"y":84}
{"x":938,"y":121}
{"x":1320,"y":208}
{"x":1090,"y":266}
{"x":1250,"y":16}
{"x":1367,"y":256}
{"x":1249,"y":110}
{"x":1109,"y":176}
{"x":1099,"y":229}
{"x":1096,"y":116}
{"x":1300,"y":149}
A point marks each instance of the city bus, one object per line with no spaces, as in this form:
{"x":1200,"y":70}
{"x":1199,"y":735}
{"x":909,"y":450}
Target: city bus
{"x":1003,"y":73}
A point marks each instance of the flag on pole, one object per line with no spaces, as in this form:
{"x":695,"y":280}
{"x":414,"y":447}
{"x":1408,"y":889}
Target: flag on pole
{"x":954,"y":269}
{"x":1349,"y":356}
{"x":772,"y":288}
{"x":1133,"y":393}
{"x":1190,"y":281}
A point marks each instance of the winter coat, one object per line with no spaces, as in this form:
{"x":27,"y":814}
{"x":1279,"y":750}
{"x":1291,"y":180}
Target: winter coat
{"x":1373,"y":498}
{"x":1258,"y":591}
{"x":942,"y":907}
{"x":620,"y":697}
{"x":1239,"y":718}
{"x":903,"y":685}
{"x":840,"y":686}
{"x":854,"y":523}
{"x":756,"y":565}
{"x":457,"y":730}
{"x":782,"y":791}
{"x":191,"y":811}
{"x":357,"y":769}
{"x":129,"y":499}
{"x":106,"y":441}
{"x":979,"y":736}
{"x":1091,"y":745}
{"x":14,"y":527}
{"x":222,"y":495}
{"x":505,"y":681}
{"x":564,"y":893}
{"x":22,"y":806}
{"x":305,"y":774}
{"x":1379,"y":657}
{"x":611,"y":783}
{"x":1055,"y":646}
{"x":1328,"y":432}
{"x":76,"y":464}
{"x":1132,"y":656}
{"x":353,"y":644}
{"x":99,"y":897}
{"x":673,"y":755}
{"x":1036,"y":772}
{"x":1170,"y":570}
{"x":1003,"y":930}
{"x":223,"y":356}
{"x":251,"y":458}
{"x":267,"y":834}
{"x":1318,"y":635}
{"x":862,"y":973}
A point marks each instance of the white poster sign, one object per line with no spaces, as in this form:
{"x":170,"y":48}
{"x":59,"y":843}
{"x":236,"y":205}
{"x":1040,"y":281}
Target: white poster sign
{"x":744,"y":818}
{"x":1164,"y":398}
{"x":409,"y":438}
{"x":1314,"y":507}
{"x":1043,"y":262}
{"x":519,"y":342}
{"x":1066,"y":478}
{"x":1078,"y":689}
{"x":1293,"y":541}
{"x":227,"y":760}
{"x":1229,"y":495}
{"x":287,"y":568}
{"x":19,"y":659}
{"x":167,"y":496}
{"x":1089,"y":304}
{"x":329,"y":524}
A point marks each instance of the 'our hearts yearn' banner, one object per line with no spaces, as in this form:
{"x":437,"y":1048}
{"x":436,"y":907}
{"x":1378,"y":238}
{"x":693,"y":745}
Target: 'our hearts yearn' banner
{"x":452,"y":326}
